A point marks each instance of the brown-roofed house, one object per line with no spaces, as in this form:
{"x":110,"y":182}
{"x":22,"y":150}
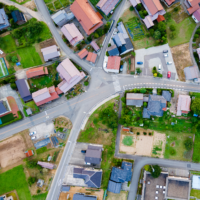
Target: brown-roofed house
{"x":29,"y":153}
{"x":192,"y":5}
{"x":87,"y":17}
{"x":83,"y":53}
{"x":170,"y":2}
{"x":91,"y":57}
{"x":160,"y":18}
{"x":113,"y":64}
{"x":153,"y":6}
{"x":39,"y":71}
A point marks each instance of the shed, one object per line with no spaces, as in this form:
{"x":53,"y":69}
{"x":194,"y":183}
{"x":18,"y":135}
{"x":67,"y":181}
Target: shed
{"x":95,"y":46}
{"x":196,"y":182}
{"x":114,"y":187}
{"x":160,"y":18}
{"x":18,"y":17}
{"x":91,"y":57}
{"x":29,"y":111}
{"x":29,"y":153}
{"x":65,"y":188}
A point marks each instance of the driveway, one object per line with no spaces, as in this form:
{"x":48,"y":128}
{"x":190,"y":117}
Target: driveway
{"x":6,"y":91}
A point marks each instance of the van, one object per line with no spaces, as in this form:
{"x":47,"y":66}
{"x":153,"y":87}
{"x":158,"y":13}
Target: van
{"x":169,"y":63}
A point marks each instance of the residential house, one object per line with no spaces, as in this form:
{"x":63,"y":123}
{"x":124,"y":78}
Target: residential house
{"x":93,"y":155}
{"x":156,"y":106}
{"x":29,"y":153}
{"x":72,"y":34}
{"x":169,"y":2}
{"x":80,"y":196}
{"x":70,"y":75}
{"x":83,"y":53}
{"x":119,"y":176}
{"x":113,"y":50}
{"x":35,"y":72}
{"x":135,"y":2}
{"x":192,"y":5}
{"x":50,"y":53}
{"x":61,"y":17}
{"x":95,"y":46}
{"x":88,"y":18}
{"x":113,"y":64}
{"x":4,"y":22}
{"x":167,"y":95}
{"x":148,"y":21}
{"x":91,"y":177}
{"x":191,"y":72}
{"x":106,"y":6}
{"x":91,"y":57}
{"x":45,"y":95}
{"x":134,"y":99}
{"x":18,"y":17}
{"x":46,"y":165}
{"x":183,"y":105}
{"x":23,"y":88}
{"x":5,"y":108}
{"x":196,"y":16}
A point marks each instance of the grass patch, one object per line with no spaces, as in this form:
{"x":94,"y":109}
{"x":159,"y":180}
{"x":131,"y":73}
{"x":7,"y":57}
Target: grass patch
{"x":15,"y":180}
{"x":196,"y":150}
{"x":40,"y":196}
{"x":8,"y":44}
{"x":195,"y":193}
{"x":29,"y":57}
{"x":45,"y":33}
{"x":128,"y":140}
{"x":25,"y":1}
{"x":42,"y":150}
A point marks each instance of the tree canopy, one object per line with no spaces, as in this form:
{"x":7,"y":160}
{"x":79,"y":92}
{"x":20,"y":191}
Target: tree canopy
{"x":155,"y":170}
{"x":195,"y":107}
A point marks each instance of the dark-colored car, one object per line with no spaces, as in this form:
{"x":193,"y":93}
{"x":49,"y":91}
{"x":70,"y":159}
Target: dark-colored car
{"x":165,"y":51}
{"x":83,"y":151}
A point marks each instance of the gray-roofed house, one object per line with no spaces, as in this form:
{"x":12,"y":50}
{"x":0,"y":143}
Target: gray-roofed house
{"x":156,"y":106}
{"x":83,"y":197}
{"x":191,"y":72}
{"x":114,"y":187}
{"x":4,"y":22}
{"x":29,"y":111}
{"x":167,"y":95}
{"x":4,"y":107}
{"x":113,"y":50}
{"x":61,"y":17}
{"x":92,"y":177}
{"x":134,"y":99}
{"x":50,"y":53}
{"x":23,"y":89}
{"x":18,"y":17}
{"x":65,"y":188}
{"x":93,"y":155}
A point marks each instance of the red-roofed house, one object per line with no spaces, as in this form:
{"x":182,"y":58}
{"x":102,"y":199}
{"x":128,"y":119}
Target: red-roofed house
{"x":72,"y":34}
{"x":125,"y":129}
{"x":183,"y":105}
{"x":38,"y":71}
{"x":160,"y":18}
{"x":29,"y":153}
{"x":70,"y":75}
{"x":83,"y":53}
{"x":45,"y":95}
{"x":91,"y":57}
{"x":196,"y":16}
{"x":192,"y":5}
{"x":87,"y":17}
{"x":113,"y":64}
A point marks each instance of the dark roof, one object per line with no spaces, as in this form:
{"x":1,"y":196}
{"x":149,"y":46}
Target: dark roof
{"x":92,"y":177}
{"x":167,"y":95}
{"x":145,"y":113}
{"x":113,"y":50}
{"x":191,"y":72}
{"x":65,"y":188}
{"x":118,"y":175}
{"x":1,"y":198}
{"x":93,"y":154}
{"x":114,"y":187}
{"x":17,"y":16}
{"x":2,"y":108}
{"x":4,"y":22}
{"x":134,"y":99}
{"x":83,"y":197}
{"x":23,"y":90}
{"x":127,"y":166}
{"x":128,"y":44}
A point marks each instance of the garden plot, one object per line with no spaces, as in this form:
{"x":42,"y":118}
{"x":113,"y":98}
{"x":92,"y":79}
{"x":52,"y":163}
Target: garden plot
{"x":3,"y":68}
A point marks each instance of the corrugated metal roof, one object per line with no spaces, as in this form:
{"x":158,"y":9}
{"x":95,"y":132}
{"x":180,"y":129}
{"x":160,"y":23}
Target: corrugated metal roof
{"x":36,"y":72}
{"x":93,"y":154}
{"x":50,"y":52}
{"x":46,"y":165}
{"x":4,"y":23}
{"x":95,"y":46}
{"x":83,"y":53}
{"x":91,"y":57}
{"x":83,"y":197}
{"x":107,"y":5}
{"x":114,"y":187}
{"x":113,"y":62}
{"x":191,"y":72}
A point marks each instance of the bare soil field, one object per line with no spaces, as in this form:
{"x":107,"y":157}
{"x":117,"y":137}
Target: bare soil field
{"x":12,"y":150}
{"x":182,"y":59}
{"x":63,"y":122}
{"x":30,"y":4}
{"x":122,"y":196}
{"x":47,"y":43}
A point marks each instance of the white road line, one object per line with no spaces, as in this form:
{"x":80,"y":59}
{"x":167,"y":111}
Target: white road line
{"x":45,"y":112}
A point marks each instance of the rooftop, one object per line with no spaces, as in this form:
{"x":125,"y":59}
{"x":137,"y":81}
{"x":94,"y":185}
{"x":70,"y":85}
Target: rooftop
{"x":196,"y":182}
{"x":4,"y":23}
{"x":191,"y":72}
{"x":50,"y":53}
{"x":113,"y":62}
{"x":153,"y":6}
{"x":113,"y":50}
{"x":83,"y":197}
{"x":107,"y":5}
{"x":134,"y":99}
{"x":83,"y":53}
{"x":95,"y":46}
{"x":93,"y":154}
{"x":38,"y":71}
{"x":91,"y":57}
{"x":184,"y":102}
{"x":17,"y":16}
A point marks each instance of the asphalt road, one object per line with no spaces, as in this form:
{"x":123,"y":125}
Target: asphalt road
{"x":102,"y":85}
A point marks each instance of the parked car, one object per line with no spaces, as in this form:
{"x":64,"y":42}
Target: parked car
{"x":139,"y":63}
{"x":121,"y":68}
{"x":83,"y":151}
{"x":165,"y":51}
{"x":165,"y":55}
{"x":32,"y":133}
{"x":159,"y":67}
{"x":169,"y":63}
{"x":33,"y":138}
{"x":168,"y":74}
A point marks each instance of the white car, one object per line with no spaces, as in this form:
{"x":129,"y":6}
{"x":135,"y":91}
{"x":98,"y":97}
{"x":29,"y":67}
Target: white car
{"x":169,"y":63}
{"x":159,"y":67}
{"x":32,"y":133}
{"x":33,"y":138}
{"x":165,"y":55}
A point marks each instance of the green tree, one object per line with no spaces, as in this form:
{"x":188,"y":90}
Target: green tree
{"x":133,"y":53}
{"x":141,"y":14}
{"x":157,"y":35}
{"x":195,"y":107}
{"x":86,"y":83}
{"x":139,"y":7}
{"x":188,"y":144}
{"x":145,"y":104}
{"x":172,"y":27}
{"x":13,"y":86}
{"x":155,"y":170}
{"x":123,"y":99}
{"x":14,"y":59}
{"x":31,"y":180}
{"x":196,"y":36}
{"x":78,"y":46}
{"x":172,"y":35}
{"x":96,"y":35}
{"x":145,"y":13}
{"x":8,"y":57}
{"x":143,"y":90}
{"x":176,"y":9}
{"x":131,"y":8}
{"x":138,"y":70}
{"x":161,"y":26}
{"x":151,"y":31}
{"x":168,"y":16}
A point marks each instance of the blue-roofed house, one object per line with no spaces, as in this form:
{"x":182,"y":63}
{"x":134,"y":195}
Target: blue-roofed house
{"x":23,"y":89}
{"x":4,"y":23}
{"x":167,"y":95}
{"x":114,"y":187}
{"x":83,"y":197}
{"x":113,"y":50}
{"x":92,"y":177}
{"x":65,"y":188}
{"x":18,"y":17}
{"x":61,"y":17}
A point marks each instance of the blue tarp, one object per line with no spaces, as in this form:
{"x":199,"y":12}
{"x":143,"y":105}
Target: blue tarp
{"x":0,"y":121}
{"x":195,"y":115}
{"x":18,"y":63}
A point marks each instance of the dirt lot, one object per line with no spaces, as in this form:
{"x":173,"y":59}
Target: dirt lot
{"x":12,"y":150}
{"x":47,"y":43}
{"x":144,"y":144}
{"x":182,"y":59}
{"x":122,"y":196}
{"x":30,"y":4}
{"x":74,"y":190}
{"x":63,"y":122}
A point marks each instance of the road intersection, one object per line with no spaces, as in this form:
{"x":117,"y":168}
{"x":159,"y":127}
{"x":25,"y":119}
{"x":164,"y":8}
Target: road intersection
{"x":102,"y":85}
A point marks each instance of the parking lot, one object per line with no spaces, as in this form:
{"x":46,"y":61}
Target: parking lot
{"x":154,"y":57}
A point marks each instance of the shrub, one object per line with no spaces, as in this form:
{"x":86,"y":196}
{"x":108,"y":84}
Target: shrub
{"x":95,"y":121}
{"x":86,"y":83}
{"x":138,"y":70}
{"x":196,"y":36}
{"x":197,"y":31}
{"x":138,"y":133}
{"x":139,"y":7}
{"x":172,"y":151}
{"x":157,"y":35}
{"x":89,"y":38}
{"x":31,"y":180}
{"x":133,"y":53}
{"x":9,"y":58}
{"x":109,"y":45}
{"x":155,"y":171}
{"x":143,"y":90}
{"x":131,"y":8}
{"x":149,"y":133}
{"x":83,"y":42}
{"x":13,"y":86}
{"x":145,"y":104}
{"x":96,"y":35}
{"x":172,"y":35}
{"x":188,"y":144}
{"x":148,"y":34}
{"x":14,"y":59}
{"x":176,"y":9}
{"x":145,"y":13}
{"x":168,"y":16}
{"x":172,"y":28}
{"x":141,"y":14}
{"x":78,"y":46}
{"x":107,"y":54}
{"x":33,"y":90}
{"x":38,"y":191}
{"x":144,"y":133}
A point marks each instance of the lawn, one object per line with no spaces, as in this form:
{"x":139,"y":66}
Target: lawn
{"x":46,"y":33}
{"x":195,"y":193}
{"x":29,"y":57}
{"x":8,"y":44}
{"x":196,"y":157}
{"x":15,"y":179}
{"x":25,"y":1}
{"x":184,"y":31}
{"x":128,"y":140}
{"x":3,"y":68}
{"x":7,"y":118}
{"x":39,"y":196}
{"x":31,"y":104}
